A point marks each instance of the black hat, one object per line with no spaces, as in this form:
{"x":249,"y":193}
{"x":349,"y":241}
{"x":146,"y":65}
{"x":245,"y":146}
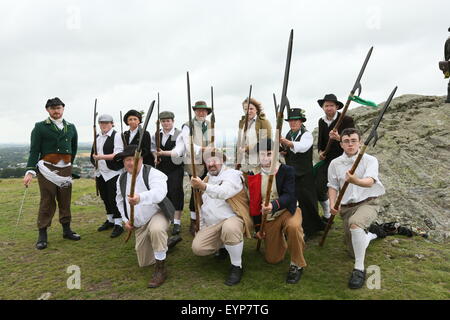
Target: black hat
{"x":330,"y":97}
{"x":54,"y":102}
{"x":202,"y":105}
{"x":296,"y":114}
{"x":129,"y":151}
{"x":132,"y":112}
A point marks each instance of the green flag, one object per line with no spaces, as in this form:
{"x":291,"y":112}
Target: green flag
{"x":364,"y":102}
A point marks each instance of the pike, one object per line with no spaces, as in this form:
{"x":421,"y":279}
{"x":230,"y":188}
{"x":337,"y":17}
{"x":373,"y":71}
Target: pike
{"x":121,"y":131}
{"x":373,"y":135}
{"x":356,"y":87}
{"x":243,"y":137}
{"x":137,"y":156}
{"x":157,"y":136}
{"x":213,"y":122}
{"x":280,"y":111}
{"x":95,"y":143}
{"x":194,"y":171}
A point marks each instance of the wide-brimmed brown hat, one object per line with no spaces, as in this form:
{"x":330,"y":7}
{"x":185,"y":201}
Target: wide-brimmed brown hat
{"x":330,"y":97}
{"x":202,"y":105}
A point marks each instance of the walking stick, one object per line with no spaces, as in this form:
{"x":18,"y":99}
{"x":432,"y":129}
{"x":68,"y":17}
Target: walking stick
{"x":20,"y":212}
{"x":373,"y":134}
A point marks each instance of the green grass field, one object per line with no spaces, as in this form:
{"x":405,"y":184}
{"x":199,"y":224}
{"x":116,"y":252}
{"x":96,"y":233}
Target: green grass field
{"x":109,"y":267}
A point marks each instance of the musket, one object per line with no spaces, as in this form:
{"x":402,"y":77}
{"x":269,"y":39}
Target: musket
{"x":157,"y":136}
{"x":280,"y":111}
{"x":213,"y":122}
{"x":121,"y":131}
{"x":243,"y":137}
{"x":194,"y":171}
{"x":373,"y":135}
{"x":95,"y":144}
{"x":137,"y":156}
{"x":356,"y":87}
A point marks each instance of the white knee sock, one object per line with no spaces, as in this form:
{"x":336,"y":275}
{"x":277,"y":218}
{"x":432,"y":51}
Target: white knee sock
{"x":360,"y":241}
{"x":176,"y":221}
{"x":160,"y":255}
{"x":193,"y":216}
{"x":110,"y":218}
{"x":235,"y":253}
{"x":118,"y":221}
{"x":326,"y":208}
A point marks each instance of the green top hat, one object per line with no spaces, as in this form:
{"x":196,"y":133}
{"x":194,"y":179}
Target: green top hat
{"x":202,"y":105}
{"x":296,"y":114}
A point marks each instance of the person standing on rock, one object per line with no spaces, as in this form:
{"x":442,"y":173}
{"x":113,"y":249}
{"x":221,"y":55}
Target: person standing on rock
{"x":52,"y":152}
{"x":299,"y":151}
{"x":109,"y":143}
{"x":172,"y":167}
{"x":359,"y":206}
{"x":330,"y":106}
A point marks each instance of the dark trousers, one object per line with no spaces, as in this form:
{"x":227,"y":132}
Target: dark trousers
{"x":108,"y":191}
{"x":175,"y":191}
{"x":191,"y":201}
{"x":50,"y":194}
{"x":307,"y":202}
{"x":321,"y":181}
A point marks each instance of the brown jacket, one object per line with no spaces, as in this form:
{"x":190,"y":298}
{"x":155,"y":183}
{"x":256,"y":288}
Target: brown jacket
{"x":261,"y":123}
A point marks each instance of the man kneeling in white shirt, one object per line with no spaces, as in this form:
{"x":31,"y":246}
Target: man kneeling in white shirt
{"x":224,"y":216}
{"x":150,"y":223}
{"x":358,"y":206}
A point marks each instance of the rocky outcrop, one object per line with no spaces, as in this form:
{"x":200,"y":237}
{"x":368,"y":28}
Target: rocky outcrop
{"x":414,"y":154}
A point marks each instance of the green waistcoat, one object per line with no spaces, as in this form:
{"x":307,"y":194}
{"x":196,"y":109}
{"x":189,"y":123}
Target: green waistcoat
{"x":47,"y":138}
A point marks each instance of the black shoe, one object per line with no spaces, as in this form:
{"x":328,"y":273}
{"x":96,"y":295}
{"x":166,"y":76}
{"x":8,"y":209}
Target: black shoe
{"x":117,"y":231}
{"x":221,"y":254}
{"x":172,"y":241}
{"x":294,"y":274}
{"x":378,"y":230}
{"x":235,"y":276}
{"x":176,"y":229}
{"x":105,"y":226}
{"x":325,"y":220}
{"x":357,"y":279}
{"x":42,"y":239}
{"x":69,"y":234}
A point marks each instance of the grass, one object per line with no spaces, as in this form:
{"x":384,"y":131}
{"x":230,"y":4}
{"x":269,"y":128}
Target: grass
{"x":109,"y":267}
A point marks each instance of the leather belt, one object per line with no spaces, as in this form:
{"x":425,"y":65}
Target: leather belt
{"x":349,"y":205}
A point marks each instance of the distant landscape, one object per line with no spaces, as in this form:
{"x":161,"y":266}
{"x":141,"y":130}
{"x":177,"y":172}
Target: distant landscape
{"x":14,"y":157}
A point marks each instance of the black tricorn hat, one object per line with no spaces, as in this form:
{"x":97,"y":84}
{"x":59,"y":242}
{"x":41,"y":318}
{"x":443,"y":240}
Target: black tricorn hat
{"x":132,"y":112}
{"x":296,"y":114}
{"x":54,"y":102}
{"x":330,"y":97}
{"x":129,"y":151}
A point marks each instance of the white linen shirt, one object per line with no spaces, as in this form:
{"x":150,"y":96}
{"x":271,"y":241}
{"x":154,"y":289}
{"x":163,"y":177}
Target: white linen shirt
{"x":149,"y":199}
{"x":367,"y":168}
{"x":103,"y":169}
{"x":165,"y":137}
{"x":305,"y":143}
{"x":219,"y":188}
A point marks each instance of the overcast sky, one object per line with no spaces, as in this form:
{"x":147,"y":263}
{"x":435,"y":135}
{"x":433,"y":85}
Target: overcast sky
{"x":124,"y":52}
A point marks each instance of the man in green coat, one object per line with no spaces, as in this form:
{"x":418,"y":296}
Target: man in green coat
{"x":52,"y":152}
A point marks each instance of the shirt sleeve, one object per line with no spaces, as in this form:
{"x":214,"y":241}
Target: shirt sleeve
{"x":118,"y":143}
{"x":304,"y":144}
{"x":371,"y":169}
{"x":230,"y":186}
{"x":333,"y":179}
{"x":157,"y":182}
{"x":119,"y":201}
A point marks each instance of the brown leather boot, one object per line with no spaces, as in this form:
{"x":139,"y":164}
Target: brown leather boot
{"x":159,"y":275}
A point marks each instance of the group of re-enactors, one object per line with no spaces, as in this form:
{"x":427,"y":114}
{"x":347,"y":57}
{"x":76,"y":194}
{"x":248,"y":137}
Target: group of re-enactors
{"x":232,"y":201}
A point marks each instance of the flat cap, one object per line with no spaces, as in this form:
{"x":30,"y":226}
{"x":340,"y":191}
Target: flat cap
{"x":105,"y":118}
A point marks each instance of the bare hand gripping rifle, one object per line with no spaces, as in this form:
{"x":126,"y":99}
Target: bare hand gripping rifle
{"x":373,"y":135}
{"x":137,"y":156}
{"x":356,"y":87}
{"x":194,"y":171}
{"x":243,"y":137}
{"x":276,"y":144}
